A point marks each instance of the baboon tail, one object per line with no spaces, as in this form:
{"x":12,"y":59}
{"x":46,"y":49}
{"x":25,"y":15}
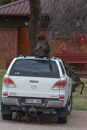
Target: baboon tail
{"x":82,"y":87}
{"x":50,"y":63}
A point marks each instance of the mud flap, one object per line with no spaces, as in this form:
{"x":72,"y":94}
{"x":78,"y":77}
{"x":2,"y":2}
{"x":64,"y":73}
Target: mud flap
{"x":62,"y":112}
{"x":5,"y":109}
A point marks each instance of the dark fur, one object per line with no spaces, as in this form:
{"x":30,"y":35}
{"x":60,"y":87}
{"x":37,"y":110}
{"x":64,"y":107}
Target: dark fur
{"x":75,"y":78}
{"x":27,"y":117}
{"x":42,"y":48}
{"x":77,"y":81}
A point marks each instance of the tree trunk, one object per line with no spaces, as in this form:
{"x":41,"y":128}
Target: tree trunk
{"x":34,"y":21}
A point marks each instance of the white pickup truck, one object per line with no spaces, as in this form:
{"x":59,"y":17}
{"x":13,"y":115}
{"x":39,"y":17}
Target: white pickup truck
{"x":29,"y":85}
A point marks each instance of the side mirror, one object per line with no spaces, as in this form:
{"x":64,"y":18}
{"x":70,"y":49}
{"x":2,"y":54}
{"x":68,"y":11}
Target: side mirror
{"x":72,"y":72}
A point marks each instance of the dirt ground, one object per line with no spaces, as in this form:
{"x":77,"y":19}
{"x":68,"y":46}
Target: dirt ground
{"x":76,"y":121}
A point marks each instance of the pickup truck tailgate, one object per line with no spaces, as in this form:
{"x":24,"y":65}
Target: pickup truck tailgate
{"x":33,"y":87}
{"x":33,"y":78}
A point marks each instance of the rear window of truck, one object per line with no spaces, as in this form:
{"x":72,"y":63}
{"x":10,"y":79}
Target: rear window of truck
{"x":34,"y":68}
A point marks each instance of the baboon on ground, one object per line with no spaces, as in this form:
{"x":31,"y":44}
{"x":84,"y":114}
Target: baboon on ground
{"x":75,"y":78}
{"x":42,"y":48}
{"x":19,"y":115}
{"x":29,"y":116}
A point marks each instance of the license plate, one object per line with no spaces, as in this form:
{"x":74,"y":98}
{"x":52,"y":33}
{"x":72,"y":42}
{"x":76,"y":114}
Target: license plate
{"x":37,"y":101}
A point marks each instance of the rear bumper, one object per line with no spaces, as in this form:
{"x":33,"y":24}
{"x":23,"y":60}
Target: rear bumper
{"x":20,"y":102}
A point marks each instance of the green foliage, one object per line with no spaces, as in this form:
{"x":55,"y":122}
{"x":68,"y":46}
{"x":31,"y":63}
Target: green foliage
{"x":3,"y":2}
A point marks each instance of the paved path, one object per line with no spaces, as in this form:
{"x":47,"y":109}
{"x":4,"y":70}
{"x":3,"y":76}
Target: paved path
{"x":76,"y":121}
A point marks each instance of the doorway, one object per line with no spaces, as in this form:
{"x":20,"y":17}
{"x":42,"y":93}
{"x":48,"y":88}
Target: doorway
{"x":23,"y":42}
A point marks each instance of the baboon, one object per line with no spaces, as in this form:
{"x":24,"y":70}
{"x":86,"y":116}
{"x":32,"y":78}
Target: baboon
{"x":29,"y":116}
{"x":42,"y":44}
{"x":42,"y":48}
{"x":75,"y":78}
{"x":26,"y":117}
{"x":19,"y":115}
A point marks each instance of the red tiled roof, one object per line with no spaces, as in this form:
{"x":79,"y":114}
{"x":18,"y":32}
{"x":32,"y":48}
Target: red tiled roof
{"x":21,"y":7}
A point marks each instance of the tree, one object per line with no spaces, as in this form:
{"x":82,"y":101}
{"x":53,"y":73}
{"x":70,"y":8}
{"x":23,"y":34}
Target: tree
{"x":34,"y":21}
{"x":3,"y":2}
{"x":67,"y":16}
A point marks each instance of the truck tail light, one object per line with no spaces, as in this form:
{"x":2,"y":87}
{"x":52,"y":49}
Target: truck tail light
{"x":59,"y":85}
{"x":8,"y":83}
{"x":61,"y":97}
{"x":5,"y":93}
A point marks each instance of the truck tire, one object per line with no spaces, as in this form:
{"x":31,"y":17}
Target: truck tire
{"x":6,"y":116}
{"x":70,"y":105}
{"x":62,"y":120}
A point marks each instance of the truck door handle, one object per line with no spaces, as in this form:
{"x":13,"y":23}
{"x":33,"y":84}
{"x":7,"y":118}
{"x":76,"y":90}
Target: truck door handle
{"x":34,"y":81}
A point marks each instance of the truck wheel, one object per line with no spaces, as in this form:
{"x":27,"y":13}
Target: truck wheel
{"x":6,"y":116}
{"x":70,"y":105}
{"x":62,"y":119}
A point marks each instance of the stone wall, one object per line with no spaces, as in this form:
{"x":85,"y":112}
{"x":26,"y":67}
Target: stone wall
{"x":65,"y":45}
{"x":8,"y":45}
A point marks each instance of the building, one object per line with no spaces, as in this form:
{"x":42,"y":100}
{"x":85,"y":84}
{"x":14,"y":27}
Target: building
{"x":14,"y":33}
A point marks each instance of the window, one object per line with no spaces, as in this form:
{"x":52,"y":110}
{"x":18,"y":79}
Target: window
{"x":35,"y":68}
{"x":61,"y":34}
{"x":63,"y":71}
